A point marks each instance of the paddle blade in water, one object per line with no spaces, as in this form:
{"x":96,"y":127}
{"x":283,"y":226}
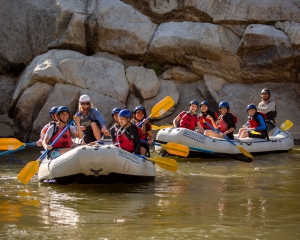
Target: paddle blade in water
{"x":166,"y":163}
{"x":161,"y":107}
{"x":246,"y":153}
{"x":176,"y":149}
{"x":286,"y":125}
{"x":10,"y":144}
{"x":28,"y":171}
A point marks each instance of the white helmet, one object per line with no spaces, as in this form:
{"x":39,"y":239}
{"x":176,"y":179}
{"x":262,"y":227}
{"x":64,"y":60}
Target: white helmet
{"x":84,"y":98}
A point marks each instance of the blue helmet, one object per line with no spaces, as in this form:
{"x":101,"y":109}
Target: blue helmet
{"x":140,"y":108}
{"x":224,"y":104}
{"x":194,"y":102}
{"x":53,"y":110}
{"x":251,"y":106}
{"x":125,"y":113}
{"x":205,"y":103}
{"x":115,"y":110}
{"x":62,"y":109}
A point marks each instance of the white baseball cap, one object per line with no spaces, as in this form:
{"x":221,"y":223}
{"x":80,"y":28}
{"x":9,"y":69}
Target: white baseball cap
{"x":84,"y":98}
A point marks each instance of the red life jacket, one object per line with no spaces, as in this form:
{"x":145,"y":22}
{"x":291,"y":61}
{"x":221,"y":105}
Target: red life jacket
{"x":202,"y":117}
{"x":223,"y":125}
{"x":188,"y":120}
{"x":125,"y":140}
{"x":253,"y":122}
{"x":143,"y":136}
{"x":64,"y":141}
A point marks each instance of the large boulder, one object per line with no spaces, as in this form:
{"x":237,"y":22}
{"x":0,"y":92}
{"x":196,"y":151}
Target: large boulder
{"x":7,"y":85}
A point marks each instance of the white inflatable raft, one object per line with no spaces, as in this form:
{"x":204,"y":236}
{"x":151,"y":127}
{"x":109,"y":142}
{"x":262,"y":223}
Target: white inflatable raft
{"x":96,"y":164}
{"x":278,"y":141}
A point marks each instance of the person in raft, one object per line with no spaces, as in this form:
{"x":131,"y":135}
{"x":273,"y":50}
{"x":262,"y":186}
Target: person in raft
{"x":53,"y":118}
{"x":114,"y":129}
{"x":268,"y":107}
{"x":189,"y":119}
{"x":256,"y":122}
{"x":207,"y":115}
{"x":91,"y":120}
{"x":128,"y":135}
{"x":226,"y":123}
{"x":139,"y":118}
{"x":63,"y":145}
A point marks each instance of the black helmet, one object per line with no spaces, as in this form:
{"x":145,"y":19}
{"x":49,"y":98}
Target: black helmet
{"x":266,"y":90}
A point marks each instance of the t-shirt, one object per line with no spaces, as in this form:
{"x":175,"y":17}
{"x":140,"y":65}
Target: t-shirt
{"x":266,"y":107}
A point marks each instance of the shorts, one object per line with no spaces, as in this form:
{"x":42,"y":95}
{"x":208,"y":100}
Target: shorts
{"x":261,"y":135}
{"x":54,"y":153}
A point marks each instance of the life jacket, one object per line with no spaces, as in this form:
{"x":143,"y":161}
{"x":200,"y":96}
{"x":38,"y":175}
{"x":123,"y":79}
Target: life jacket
{"x":143,"y":136}
{"x":125,"y":139}
{"x":253,"y":121}
{"x":87,"y":121}
{"x":189,"y":121}
{"x":64,"y":141}
{"x":203,"y":116}
{"x":223,"y":125}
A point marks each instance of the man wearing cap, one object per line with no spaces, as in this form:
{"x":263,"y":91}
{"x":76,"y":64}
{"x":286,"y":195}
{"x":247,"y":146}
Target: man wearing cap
{"x":268,"y":107}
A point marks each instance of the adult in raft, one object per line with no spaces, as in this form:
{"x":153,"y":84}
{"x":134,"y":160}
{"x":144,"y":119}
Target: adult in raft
{"x":114,"y":129}
{"x":63,"y":145}
{"x":141,"y":121}
{"x":268,"y":107}
{"x":226,"y":123}
{"x":207,"y":115}
{"x":189,"y":119}
{"x":128,"y":135}
{"x":91,"y":120}
{"x":53,"y":118}
{"x":256,"y":122}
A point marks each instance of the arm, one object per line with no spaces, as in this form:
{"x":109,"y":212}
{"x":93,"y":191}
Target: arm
{"x":96,"y":115}
{"x":77,"y":133}
{"x":200,"y":128}
{"x":176,"y":120}
{"x":47,"y":138}
{"x":137,"y":141}
{"x":262,"y":124}
{"x":149,"y":133}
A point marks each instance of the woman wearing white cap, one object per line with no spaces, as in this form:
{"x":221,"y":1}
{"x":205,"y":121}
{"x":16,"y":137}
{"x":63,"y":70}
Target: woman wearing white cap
{"x":91,"y":120}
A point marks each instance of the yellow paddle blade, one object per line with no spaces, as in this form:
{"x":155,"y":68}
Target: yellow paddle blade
{"x":161,"y":107}
{"x":28,"y":171}
{"x":10,"y":144}
{"x":154,"y":127}
{"x":286,"y":125}
{"x":166,"y":163}
{"x":176,"y":149}
{"x":245,"y":152}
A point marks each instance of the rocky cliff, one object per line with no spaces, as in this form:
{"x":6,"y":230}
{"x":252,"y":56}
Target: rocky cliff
{"x":126,"y":53}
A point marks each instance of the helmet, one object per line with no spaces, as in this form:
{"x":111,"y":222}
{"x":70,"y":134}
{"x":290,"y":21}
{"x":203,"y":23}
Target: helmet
{"x":224,"y":104}
{"x":53,"y":110}
{"x":204,"y":103}
{"x":194,"y":102}
{"x":140,"y":108}
{"x":62,"y":109}
{"x":84,"y":98}
{"x":115,"y":110}
{"x":265,"y":90}
{"x":251,"y":106}
{"x":125,"y":113}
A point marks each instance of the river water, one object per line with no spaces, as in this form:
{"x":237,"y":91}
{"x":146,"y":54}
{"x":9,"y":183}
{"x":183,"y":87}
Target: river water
{"x":205,"y":199}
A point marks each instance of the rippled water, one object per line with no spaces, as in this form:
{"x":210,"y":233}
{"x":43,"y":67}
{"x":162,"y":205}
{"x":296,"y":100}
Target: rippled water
{"x":215,"y":199}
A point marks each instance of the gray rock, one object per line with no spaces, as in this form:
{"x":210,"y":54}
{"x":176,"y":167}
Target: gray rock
{"x":132,"y":102}
{"x":7,"y":127}
{"x":7,"y":85}
{"x":291,"y":29}
{"x":142,"y":82}
{"x":181,"y":75}
{"x":109,"y":56}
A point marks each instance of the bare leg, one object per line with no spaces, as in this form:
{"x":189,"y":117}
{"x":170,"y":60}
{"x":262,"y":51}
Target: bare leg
{"x":244,"y":134}
{"x":143,"y":151}
{"x":96,"y":131}
{"x":64,"y":150}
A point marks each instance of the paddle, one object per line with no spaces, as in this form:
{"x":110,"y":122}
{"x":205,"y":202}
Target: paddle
{"x":32,"y":167}
{"x":173,"y":148}
{"x":11,"y":151}
{"x":285,"y":126}
{"x":160,"y":108}
{"x":13,"y":143}
{"x":242,"y":150}
{"x":154,"y":127}
{"x":166,"y":163}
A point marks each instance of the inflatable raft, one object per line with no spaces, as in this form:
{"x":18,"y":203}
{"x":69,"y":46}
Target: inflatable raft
{"x":96,"y":164}
{"x":200,"y":144}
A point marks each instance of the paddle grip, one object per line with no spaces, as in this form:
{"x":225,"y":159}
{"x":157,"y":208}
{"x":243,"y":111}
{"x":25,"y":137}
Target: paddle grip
{"x":141,"y":123}
{"x":55,"y":140}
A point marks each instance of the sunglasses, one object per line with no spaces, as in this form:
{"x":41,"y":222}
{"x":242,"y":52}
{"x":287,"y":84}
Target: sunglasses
{"x":85,"y":103}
